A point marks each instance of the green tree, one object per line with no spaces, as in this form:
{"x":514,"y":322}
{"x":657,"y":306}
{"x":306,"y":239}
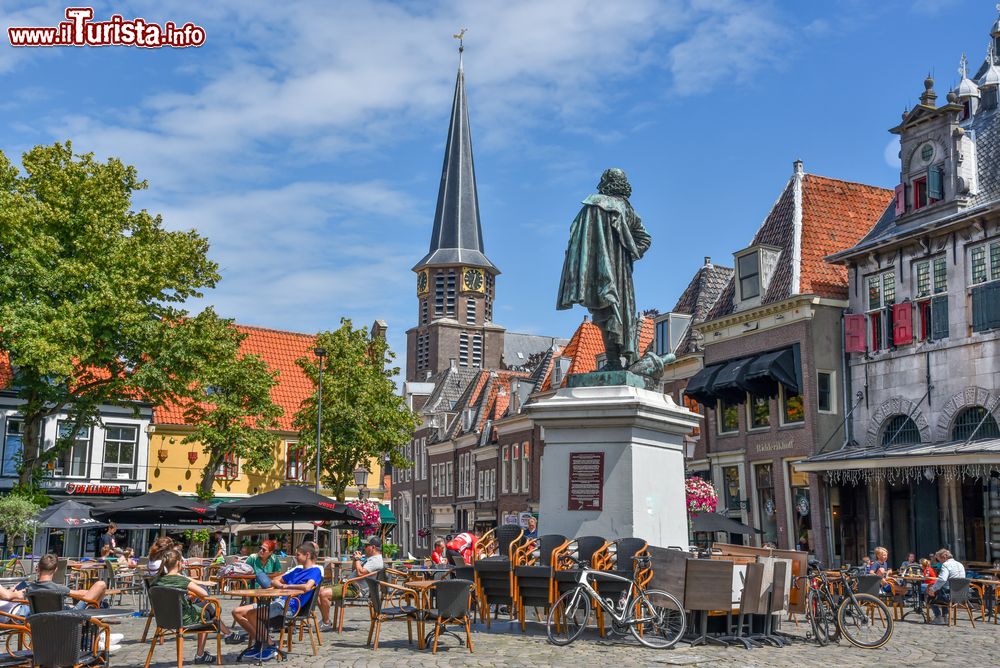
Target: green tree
{"x":235,"y":416}
{"x":363,"y":416}
{"x":91,"y":295}
{"x":16,"y":515}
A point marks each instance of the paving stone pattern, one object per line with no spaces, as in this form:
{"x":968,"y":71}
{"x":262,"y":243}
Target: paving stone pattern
{"x":912,"y":644}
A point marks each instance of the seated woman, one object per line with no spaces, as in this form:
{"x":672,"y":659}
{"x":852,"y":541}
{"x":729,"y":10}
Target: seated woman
{"x":191,"y":607}
{"x":161,"y":546}
{"x":265,"y":560}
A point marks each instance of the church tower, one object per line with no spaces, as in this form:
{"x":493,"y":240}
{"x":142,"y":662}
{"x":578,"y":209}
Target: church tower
{"x":455,"y":280}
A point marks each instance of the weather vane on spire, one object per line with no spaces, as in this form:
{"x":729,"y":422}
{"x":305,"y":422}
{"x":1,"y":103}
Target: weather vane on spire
{"x":460,"y":36}
{"x":963,"y":67}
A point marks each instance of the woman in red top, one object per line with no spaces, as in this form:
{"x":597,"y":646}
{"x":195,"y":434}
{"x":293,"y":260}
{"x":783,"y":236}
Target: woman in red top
{"x":438,"y":557}
{"x":928,"y":573}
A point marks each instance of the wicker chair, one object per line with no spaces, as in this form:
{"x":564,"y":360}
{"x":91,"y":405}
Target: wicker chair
{"x":167,"y":605}
{"x":68,"y":639}
{"x":303,"y":621}
{"x":12,"y":629}
{"x":453,"y":603}
{"x":533,"y":579}
{"x":53,"y":601}
{"x":495,"y":572}
{"x":586,"y":551}
{"x":387,"y":602}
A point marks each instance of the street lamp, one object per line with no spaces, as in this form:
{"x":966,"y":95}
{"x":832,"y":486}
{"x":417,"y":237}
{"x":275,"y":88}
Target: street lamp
{"x":320,"y":354}
{"x":360,"y":480}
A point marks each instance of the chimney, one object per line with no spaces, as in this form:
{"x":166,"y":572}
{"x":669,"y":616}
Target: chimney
{"x":451,"y":364}
{"x":797,"y":167}
{"x":708,"y":261}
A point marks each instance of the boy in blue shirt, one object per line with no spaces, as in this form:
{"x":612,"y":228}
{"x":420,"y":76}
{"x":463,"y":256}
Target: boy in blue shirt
{"x":304,"y":577}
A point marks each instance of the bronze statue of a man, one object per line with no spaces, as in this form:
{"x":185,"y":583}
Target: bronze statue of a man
{"x":606,"y":238}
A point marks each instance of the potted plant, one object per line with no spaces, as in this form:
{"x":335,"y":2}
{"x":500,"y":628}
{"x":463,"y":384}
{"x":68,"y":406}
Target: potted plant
{"x":390,"y":550}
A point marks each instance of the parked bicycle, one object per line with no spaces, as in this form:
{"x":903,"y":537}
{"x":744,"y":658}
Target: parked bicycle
{"x":654,"y":617}
{"x":861,"y":618}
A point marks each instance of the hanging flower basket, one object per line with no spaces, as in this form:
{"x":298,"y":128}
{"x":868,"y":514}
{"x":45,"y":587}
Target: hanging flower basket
{"x":372,"y":520}
{"x":192,"y":457}
{"x":701,"y":496}
{"x":162,"y":454}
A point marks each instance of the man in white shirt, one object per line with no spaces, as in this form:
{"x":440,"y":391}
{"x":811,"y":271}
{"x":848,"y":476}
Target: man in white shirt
{"x":951,"y":569}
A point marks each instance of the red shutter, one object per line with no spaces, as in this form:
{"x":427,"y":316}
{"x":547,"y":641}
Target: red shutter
{"x":902,"y":324}
{"x":900,"y":199}
{"x":854,"y":333}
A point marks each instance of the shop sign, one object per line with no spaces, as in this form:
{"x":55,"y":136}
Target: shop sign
{"x":775,"y":446}
{"x":509,"y":518}
{"x":94,"y":489}
{"x":586,"y":481}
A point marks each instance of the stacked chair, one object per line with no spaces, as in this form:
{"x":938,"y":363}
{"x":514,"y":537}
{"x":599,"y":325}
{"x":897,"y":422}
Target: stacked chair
{"x":586,"y":552}
{"x":534,"y":576}
{"x":496,"y":559}
{"x":620,"y":559}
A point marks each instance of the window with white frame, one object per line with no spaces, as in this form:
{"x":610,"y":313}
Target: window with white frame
{"x":515,"y":468}
{"x":228,"y":468}
{"x":748,"y":267}
{"x":461,"y":474}
{"x":12,"y":443}
{"x":826,"y":397}
{"x":120,"y":445}
{"x":931,"y":276}
{"x":504,"y":465}
{"x":295,"y":465}
{"x":881,"y":295}
{"x":984,"y":263}
{"x":480,"y":487}
{"x":423,"y":456}
{"x":72,"y":460}
{"x":435,"y":480}
{"x":493,"y":485}
{"x":451,"y":477}
{"x":526,"y":467}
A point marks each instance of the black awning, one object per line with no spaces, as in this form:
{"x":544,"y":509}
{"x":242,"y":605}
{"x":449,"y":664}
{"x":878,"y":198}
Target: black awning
{"x":728,"y":383}
{"x":768,"y":369}
{"x":698,"y":387}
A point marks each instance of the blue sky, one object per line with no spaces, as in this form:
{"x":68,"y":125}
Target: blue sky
{"x":305,"y":139}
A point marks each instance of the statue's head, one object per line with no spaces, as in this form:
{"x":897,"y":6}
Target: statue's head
{"x":614,"y":183}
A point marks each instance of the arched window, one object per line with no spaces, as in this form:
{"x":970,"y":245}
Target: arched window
{"x":900,"y":430}
{"x":969,"y":419}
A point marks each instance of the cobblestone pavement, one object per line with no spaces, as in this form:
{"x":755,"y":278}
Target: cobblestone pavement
{"x":912,"y":644}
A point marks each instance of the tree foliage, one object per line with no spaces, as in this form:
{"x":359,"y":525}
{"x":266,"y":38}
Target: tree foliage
{"x":91,"y":295}
{"x":235,"y":416}
{"x":16,"y":515}
{"x":363,"y":416}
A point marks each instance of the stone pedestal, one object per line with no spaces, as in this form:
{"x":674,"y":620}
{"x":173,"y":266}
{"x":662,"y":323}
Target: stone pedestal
{"x":640,"y":435}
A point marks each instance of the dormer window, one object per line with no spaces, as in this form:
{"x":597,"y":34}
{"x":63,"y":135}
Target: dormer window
{"x":670,"y":329}
{"x":928,"y":188}
{"x":749,"y":275}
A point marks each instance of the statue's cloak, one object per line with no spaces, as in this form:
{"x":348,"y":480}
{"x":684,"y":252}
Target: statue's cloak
{"x":606,"y":238}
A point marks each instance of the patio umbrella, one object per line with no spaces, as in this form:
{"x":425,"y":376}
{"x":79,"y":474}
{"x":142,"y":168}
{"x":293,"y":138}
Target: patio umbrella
{"x":287,"y":503}
{"x":157,"y":508}
{"x":67,"y":515}
{"x":712,"y":522}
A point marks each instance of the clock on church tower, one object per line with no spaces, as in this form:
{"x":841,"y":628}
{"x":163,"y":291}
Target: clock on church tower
{"x":472,"y":280}
{"x":422,"y":283}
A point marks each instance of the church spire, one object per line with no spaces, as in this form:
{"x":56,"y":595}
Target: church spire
{"x":458,"y":235}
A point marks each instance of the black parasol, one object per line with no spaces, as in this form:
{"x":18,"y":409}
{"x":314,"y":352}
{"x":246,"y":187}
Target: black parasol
{"x":67,"y":515}
{"x":288,"y":503}
{"x":158,"y":508}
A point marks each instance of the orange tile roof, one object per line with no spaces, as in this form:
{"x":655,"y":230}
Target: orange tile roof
{"x":835,"y":215}
{"x":587,"y":343}
{"x":279,"y":349}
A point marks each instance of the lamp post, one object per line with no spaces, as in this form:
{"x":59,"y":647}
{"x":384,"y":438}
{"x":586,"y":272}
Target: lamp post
{"x":320,"y":355}
{"x":360,"y":481}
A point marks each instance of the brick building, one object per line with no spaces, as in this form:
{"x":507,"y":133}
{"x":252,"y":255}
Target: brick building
{"x":772,"y":358}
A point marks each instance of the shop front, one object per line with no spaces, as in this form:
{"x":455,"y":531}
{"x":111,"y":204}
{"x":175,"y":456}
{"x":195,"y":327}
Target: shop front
{"x":913,"y":498}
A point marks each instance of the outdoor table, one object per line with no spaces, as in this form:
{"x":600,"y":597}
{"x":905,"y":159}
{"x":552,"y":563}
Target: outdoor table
{"x":918,"y":596}
{"x":262,"y":599}
{"x":101,"y":613}
{"x":422,"y":589}
{"x":989,"y":596}
{"x":423,"y":572}
{"x":229,"y":580}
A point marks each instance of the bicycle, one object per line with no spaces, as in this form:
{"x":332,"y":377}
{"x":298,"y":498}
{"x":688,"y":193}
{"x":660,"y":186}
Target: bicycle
{"x":12,"y":568}
{"x":654,"y":617}
{"x":862,"y":619}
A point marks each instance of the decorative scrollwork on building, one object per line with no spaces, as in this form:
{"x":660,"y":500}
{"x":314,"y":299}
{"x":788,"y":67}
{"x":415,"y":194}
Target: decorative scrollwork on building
{"x":892,"y":407}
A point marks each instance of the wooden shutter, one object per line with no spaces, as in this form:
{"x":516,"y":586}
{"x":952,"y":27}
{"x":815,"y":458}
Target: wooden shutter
{"x":902,"y":323}
{"x":939,"y":317}
{"x":854,"y":333}
{"x":900,"y":199}
{"x":889,"y":326}
{"x":935,"y":183}
{"x":985,"y":307}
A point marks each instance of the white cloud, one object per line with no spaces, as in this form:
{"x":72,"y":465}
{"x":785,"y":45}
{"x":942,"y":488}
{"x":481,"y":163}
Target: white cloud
{"x":326,"y":85}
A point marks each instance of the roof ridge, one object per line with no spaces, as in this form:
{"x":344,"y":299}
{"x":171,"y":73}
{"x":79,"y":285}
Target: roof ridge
{"x":856,"y":183}
{"x":276,"y":331}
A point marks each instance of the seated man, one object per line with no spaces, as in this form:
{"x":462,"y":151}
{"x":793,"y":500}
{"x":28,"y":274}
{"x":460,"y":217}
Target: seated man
{"x":438,"y":556}
{"x":939,"y":591}
{"x":370,"y":564}
{"x":47,"y":566}
{"x":303,"y":577}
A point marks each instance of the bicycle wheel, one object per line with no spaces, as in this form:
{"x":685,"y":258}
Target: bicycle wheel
{"x":658,"y":619}
{"x":568,"y":617}
{"x":818,"y":619}
{"x":865,"y":621}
